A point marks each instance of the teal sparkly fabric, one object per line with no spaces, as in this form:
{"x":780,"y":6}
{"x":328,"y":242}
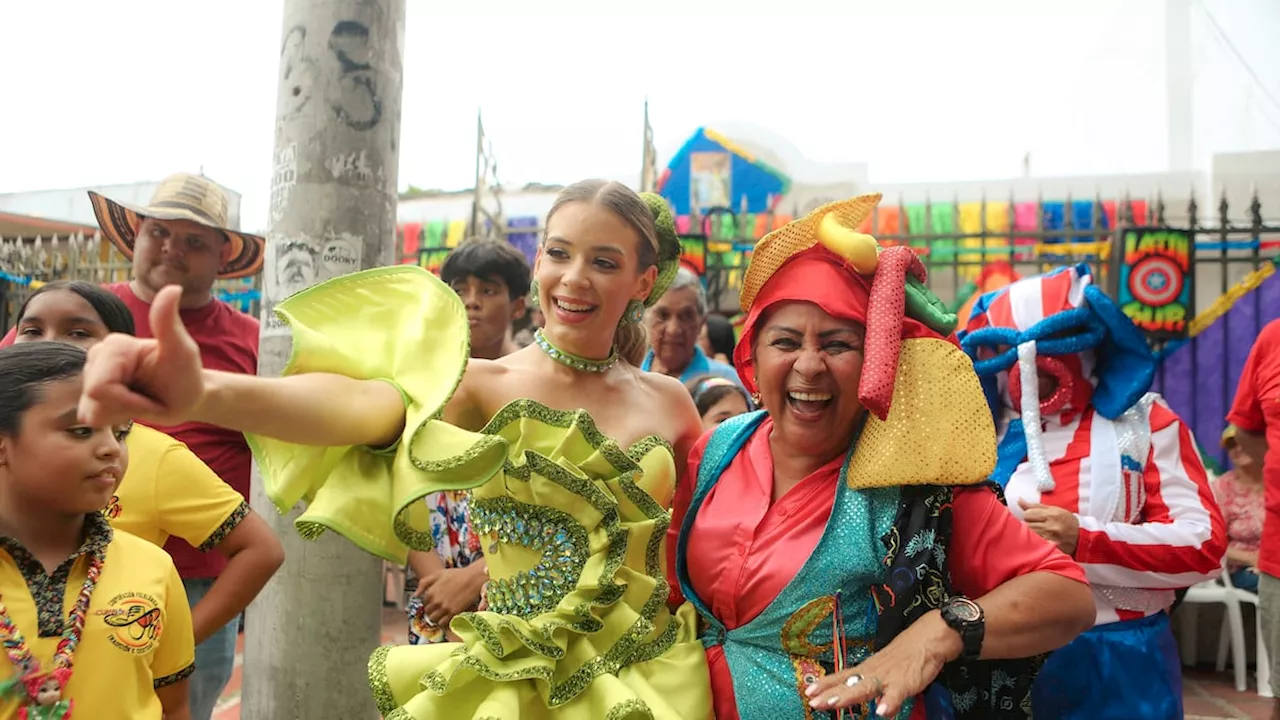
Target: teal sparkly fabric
{"x":784,"y":649}
{"x":881,"y":596}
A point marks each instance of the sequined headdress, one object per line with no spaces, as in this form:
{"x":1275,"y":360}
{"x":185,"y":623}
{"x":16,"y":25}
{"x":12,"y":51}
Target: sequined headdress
{"x":668,"y":245}
{"x":928,"y":420}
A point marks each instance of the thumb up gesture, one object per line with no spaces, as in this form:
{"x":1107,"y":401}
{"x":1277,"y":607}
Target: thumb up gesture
{"x":158,"y":380}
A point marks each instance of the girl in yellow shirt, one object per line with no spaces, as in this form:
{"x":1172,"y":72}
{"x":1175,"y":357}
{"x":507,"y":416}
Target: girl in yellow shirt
{"x":168,"y":490}
{"x":93,"y":620}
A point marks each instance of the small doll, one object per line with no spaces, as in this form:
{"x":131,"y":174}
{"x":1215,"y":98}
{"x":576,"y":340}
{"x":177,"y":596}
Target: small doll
{"x":45,"y":692}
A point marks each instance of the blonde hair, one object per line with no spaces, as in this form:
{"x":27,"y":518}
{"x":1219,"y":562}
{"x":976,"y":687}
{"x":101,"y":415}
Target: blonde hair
{"x":630,"y":340}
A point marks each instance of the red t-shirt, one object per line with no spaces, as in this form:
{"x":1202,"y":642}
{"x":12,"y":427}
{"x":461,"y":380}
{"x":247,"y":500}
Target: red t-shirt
{"x":1257,"y":409}
{"x":228,"y":341}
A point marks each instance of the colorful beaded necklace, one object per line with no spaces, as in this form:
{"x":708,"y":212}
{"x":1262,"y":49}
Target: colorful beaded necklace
{"x":43,"y":693}
{"x":574,"y":361}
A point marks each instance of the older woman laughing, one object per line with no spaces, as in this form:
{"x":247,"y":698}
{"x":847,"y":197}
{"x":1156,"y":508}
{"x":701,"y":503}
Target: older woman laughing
{"x":841,"y":546}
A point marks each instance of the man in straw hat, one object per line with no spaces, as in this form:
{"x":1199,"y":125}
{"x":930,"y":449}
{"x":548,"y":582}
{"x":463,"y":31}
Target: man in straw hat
{"x":183,"y":237}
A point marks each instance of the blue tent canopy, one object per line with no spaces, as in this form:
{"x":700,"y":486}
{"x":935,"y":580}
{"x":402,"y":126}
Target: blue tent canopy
{"x":713,"y":171}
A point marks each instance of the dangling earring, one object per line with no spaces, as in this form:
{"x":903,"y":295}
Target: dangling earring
{"x":533,"y":294}
{"x":634,"y":313}
{"x":755,"y":399}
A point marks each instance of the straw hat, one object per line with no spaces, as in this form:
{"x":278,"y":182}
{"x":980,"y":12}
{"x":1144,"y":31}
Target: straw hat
{"x":776,"y":248}
{"x":181,"y":197}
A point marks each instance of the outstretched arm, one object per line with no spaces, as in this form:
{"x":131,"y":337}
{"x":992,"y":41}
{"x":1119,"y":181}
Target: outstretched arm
{"x":310,"y":409}
{"x":162,"y":380}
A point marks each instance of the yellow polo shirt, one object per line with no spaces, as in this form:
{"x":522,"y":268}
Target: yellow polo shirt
{"x":137,"y":633}
{"x":167,"y":490}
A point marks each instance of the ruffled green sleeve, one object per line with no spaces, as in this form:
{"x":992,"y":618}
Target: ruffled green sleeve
{"x":402,"y":325}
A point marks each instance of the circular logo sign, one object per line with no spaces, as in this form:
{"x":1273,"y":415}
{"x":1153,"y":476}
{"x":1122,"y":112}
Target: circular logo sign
{"x":1155,"y":281}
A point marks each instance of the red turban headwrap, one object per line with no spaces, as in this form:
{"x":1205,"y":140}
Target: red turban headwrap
{"x":823,"y":278}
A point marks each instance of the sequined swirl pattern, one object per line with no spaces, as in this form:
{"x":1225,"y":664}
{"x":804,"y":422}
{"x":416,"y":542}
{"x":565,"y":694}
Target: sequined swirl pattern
{"x":560,"y":539}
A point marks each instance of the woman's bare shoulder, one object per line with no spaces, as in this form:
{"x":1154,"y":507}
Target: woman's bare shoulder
{"x":663,"y":385}
{"x":491,"y":384}
{"x":468,"y":408}
{"x":675,"y":408}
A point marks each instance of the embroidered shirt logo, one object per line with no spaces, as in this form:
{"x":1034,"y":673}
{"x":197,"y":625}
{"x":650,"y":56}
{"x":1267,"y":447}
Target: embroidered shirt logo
{"x":112,"y":510}
{"x":135,"y":622}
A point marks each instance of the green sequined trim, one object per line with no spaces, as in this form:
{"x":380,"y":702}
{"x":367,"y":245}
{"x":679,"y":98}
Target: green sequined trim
{"x":232,"y":522}
{"x":641,"y":641}
{"x":415,"y":539}
{"x":647,"y":444}
{"x":436,"y":682}
{"x":654,"y":650}
{"x":669,"y":248}
{"x":177,"y":677}
{"x":421,"y":540}
{"x":561,"y":693}
{"x":484,"y":444}
{"x":654,"y":566}
{"x":379,"y":682}
{"x":632,"y":709}
{"x":565,"y":419}
{"x":490,"y":629}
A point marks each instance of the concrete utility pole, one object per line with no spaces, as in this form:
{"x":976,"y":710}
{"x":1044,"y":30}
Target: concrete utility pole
{"x":333,"y":211}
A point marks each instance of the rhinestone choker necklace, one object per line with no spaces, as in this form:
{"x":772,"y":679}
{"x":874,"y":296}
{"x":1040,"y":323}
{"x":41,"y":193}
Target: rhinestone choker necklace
{"x":574,"y":361}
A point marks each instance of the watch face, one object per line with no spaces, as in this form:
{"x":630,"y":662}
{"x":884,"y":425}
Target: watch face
{"x":965,"y":610}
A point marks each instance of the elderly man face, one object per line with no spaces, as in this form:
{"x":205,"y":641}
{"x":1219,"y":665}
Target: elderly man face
{"x":674,"y":323}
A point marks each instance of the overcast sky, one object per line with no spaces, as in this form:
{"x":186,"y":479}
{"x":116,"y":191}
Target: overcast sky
{"x":131,"y":90}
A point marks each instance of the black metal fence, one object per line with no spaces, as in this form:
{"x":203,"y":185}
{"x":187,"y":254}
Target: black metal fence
{"x":1232,"y":261}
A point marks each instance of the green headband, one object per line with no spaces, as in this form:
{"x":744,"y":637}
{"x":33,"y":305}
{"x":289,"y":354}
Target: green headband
{"x":668,"y":245}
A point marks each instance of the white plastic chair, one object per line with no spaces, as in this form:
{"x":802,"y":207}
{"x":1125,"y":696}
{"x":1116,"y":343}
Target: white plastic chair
{"x":1231,"y":636}
{"x":1236,"y":638}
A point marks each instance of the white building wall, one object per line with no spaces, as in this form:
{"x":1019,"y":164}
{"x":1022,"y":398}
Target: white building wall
{"x":1235,"y":64}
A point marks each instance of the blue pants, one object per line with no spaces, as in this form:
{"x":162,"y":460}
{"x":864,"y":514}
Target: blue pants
{"x":1123,"y":670}
{"x":1245,"y":579}
{"x":215,"y":657}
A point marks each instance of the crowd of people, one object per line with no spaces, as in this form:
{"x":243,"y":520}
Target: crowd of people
{"x":859,"y":507}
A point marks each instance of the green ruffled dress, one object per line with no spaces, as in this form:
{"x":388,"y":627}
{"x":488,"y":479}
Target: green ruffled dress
{"x":572,"y":524}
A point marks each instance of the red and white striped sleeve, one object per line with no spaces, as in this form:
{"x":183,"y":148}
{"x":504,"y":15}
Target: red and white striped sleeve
{"x":1182,"y":536}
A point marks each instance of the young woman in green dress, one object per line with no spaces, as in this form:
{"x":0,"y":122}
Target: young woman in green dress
{"x":571,"y":453}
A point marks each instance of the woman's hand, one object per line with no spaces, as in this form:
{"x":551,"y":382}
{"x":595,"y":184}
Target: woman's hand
{"x":450,"y":592}
{"x":157,"y":380}
{"x":1058,"y":526}
{"x":903,"y":669}
{"x":1246,"y":558}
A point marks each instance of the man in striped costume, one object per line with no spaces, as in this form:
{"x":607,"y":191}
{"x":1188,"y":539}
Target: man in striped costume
{"x":1098,"y":465}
